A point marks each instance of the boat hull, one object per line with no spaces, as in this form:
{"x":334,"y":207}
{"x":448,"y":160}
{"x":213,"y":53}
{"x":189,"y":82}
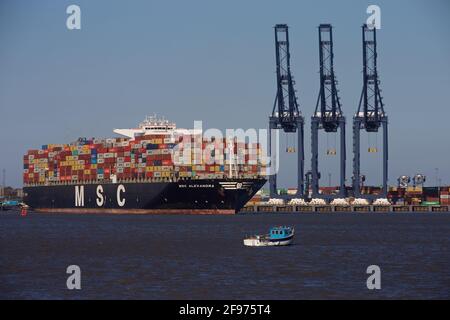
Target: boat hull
{"x":208,"y":196}
{"x":258,"y":242}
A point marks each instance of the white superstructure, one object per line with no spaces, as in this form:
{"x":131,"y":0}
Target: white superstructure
{"x":154,"y":125}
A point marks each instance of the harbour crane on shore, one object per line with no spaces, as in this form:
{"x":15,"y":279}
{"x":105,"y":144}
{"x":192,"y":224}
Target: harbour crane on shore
{"x":285,"y":114}
{"x":328,"y":113}
{"x":370,"y":115}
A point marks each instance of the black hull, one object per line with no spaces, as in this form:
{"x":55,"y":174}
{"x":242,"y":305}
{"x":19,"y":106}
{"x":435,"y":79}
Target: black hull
{"x":187,"y":196}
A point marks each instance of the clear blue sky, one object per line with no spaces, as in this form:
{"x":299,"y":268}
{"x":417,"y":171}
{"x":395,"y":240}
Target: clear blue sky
{"x":214,"y":61}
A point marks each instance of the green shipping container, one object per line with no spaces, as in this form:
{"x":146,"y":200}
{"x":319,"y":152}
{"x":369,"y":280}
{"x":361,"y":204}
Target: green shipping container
{"x":430,"y":203}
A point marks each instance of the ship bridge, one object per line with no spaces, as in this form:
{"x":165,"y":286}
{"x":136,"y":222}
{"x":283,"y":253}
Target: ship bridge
{"x":153,"y":125}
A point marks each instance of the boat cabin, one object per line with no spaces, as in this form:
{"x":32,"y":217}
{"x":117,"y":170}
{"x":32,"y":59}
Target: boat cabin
{"x":280,"y":232}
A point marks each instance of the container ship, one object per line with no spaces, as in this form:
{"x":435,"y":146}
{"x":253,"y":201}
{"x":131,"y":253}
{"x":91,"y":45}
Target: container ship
{"x":153,"y":169}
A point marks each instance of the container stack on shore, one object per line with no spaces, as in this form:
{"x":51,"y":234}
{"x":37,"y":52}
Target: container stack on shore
{"x":445,"y":196}
{"x":155,"y":157}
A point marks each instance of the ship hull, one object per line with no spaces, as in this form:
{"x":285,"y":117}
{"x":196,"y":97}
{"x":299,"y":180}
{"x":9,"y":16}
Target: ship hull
{"x":208,"y":196}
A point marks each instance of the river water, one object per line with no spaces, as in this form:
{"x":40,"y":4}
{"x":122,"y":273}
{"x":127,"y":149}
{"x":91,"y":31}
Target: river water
{"x":202,"y":257}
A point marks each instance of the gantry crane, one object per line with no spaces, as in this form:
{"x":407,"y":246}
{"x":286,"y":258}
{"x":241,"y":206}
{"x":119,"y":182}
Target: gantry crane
{"x":370,"y":115}
{"x":285,"y":114}
{"x":328,"y":114}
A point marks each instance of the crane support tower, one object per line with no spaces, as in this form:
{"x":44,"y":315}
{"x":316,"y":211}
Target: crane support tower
{"x":328,"y":114}
{"x":370,"y":115}
{"x":285,"y":113}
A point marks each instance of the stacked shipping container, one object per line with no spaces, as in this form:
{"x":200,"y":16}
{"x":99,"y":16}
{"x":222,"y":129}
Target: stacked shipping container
{"x":153,"y":157}
{"x":445,"y":196}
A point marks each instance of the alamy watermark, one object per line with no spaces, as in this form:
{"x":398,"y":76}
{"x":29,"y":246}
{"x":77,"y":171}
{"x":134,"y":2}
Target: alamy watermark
{"x":234,"y":147}
{"x":73,"y":21}
{"x":374,"y":20}
{"x":74,"y":280}
{"x":374,"y":280}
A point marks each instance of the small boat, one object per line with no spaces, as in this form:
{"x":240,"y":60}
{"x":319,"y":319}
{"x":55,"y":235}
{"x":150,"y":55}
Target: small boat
{"x":278,"y":236}
{"x":8,"y":205}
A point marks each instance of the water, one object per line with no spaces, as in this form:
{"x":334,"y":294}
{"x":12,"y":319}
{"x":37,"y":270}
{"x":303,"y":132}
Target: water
{"x":202,"y":257}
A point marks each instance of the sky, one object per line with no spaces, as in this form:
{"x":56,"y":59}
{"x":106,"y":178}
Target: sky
{"x":215,"y":61}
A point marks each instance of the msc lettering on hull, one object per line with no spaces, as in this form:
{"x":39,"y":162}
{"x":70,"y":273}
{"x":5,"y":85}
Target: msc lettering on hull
{"x":100,"y":199}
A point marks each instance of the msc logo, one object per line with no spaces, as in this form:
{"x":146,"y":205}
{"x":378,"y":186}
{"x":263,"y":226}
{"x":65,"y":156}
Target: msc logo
{"x":101,"y":199}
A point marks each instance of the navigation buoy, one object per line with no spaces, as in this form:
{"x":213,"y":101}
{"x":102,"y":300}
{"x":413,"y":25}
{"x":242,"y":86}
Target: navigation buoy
{"x":23,"y":212}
